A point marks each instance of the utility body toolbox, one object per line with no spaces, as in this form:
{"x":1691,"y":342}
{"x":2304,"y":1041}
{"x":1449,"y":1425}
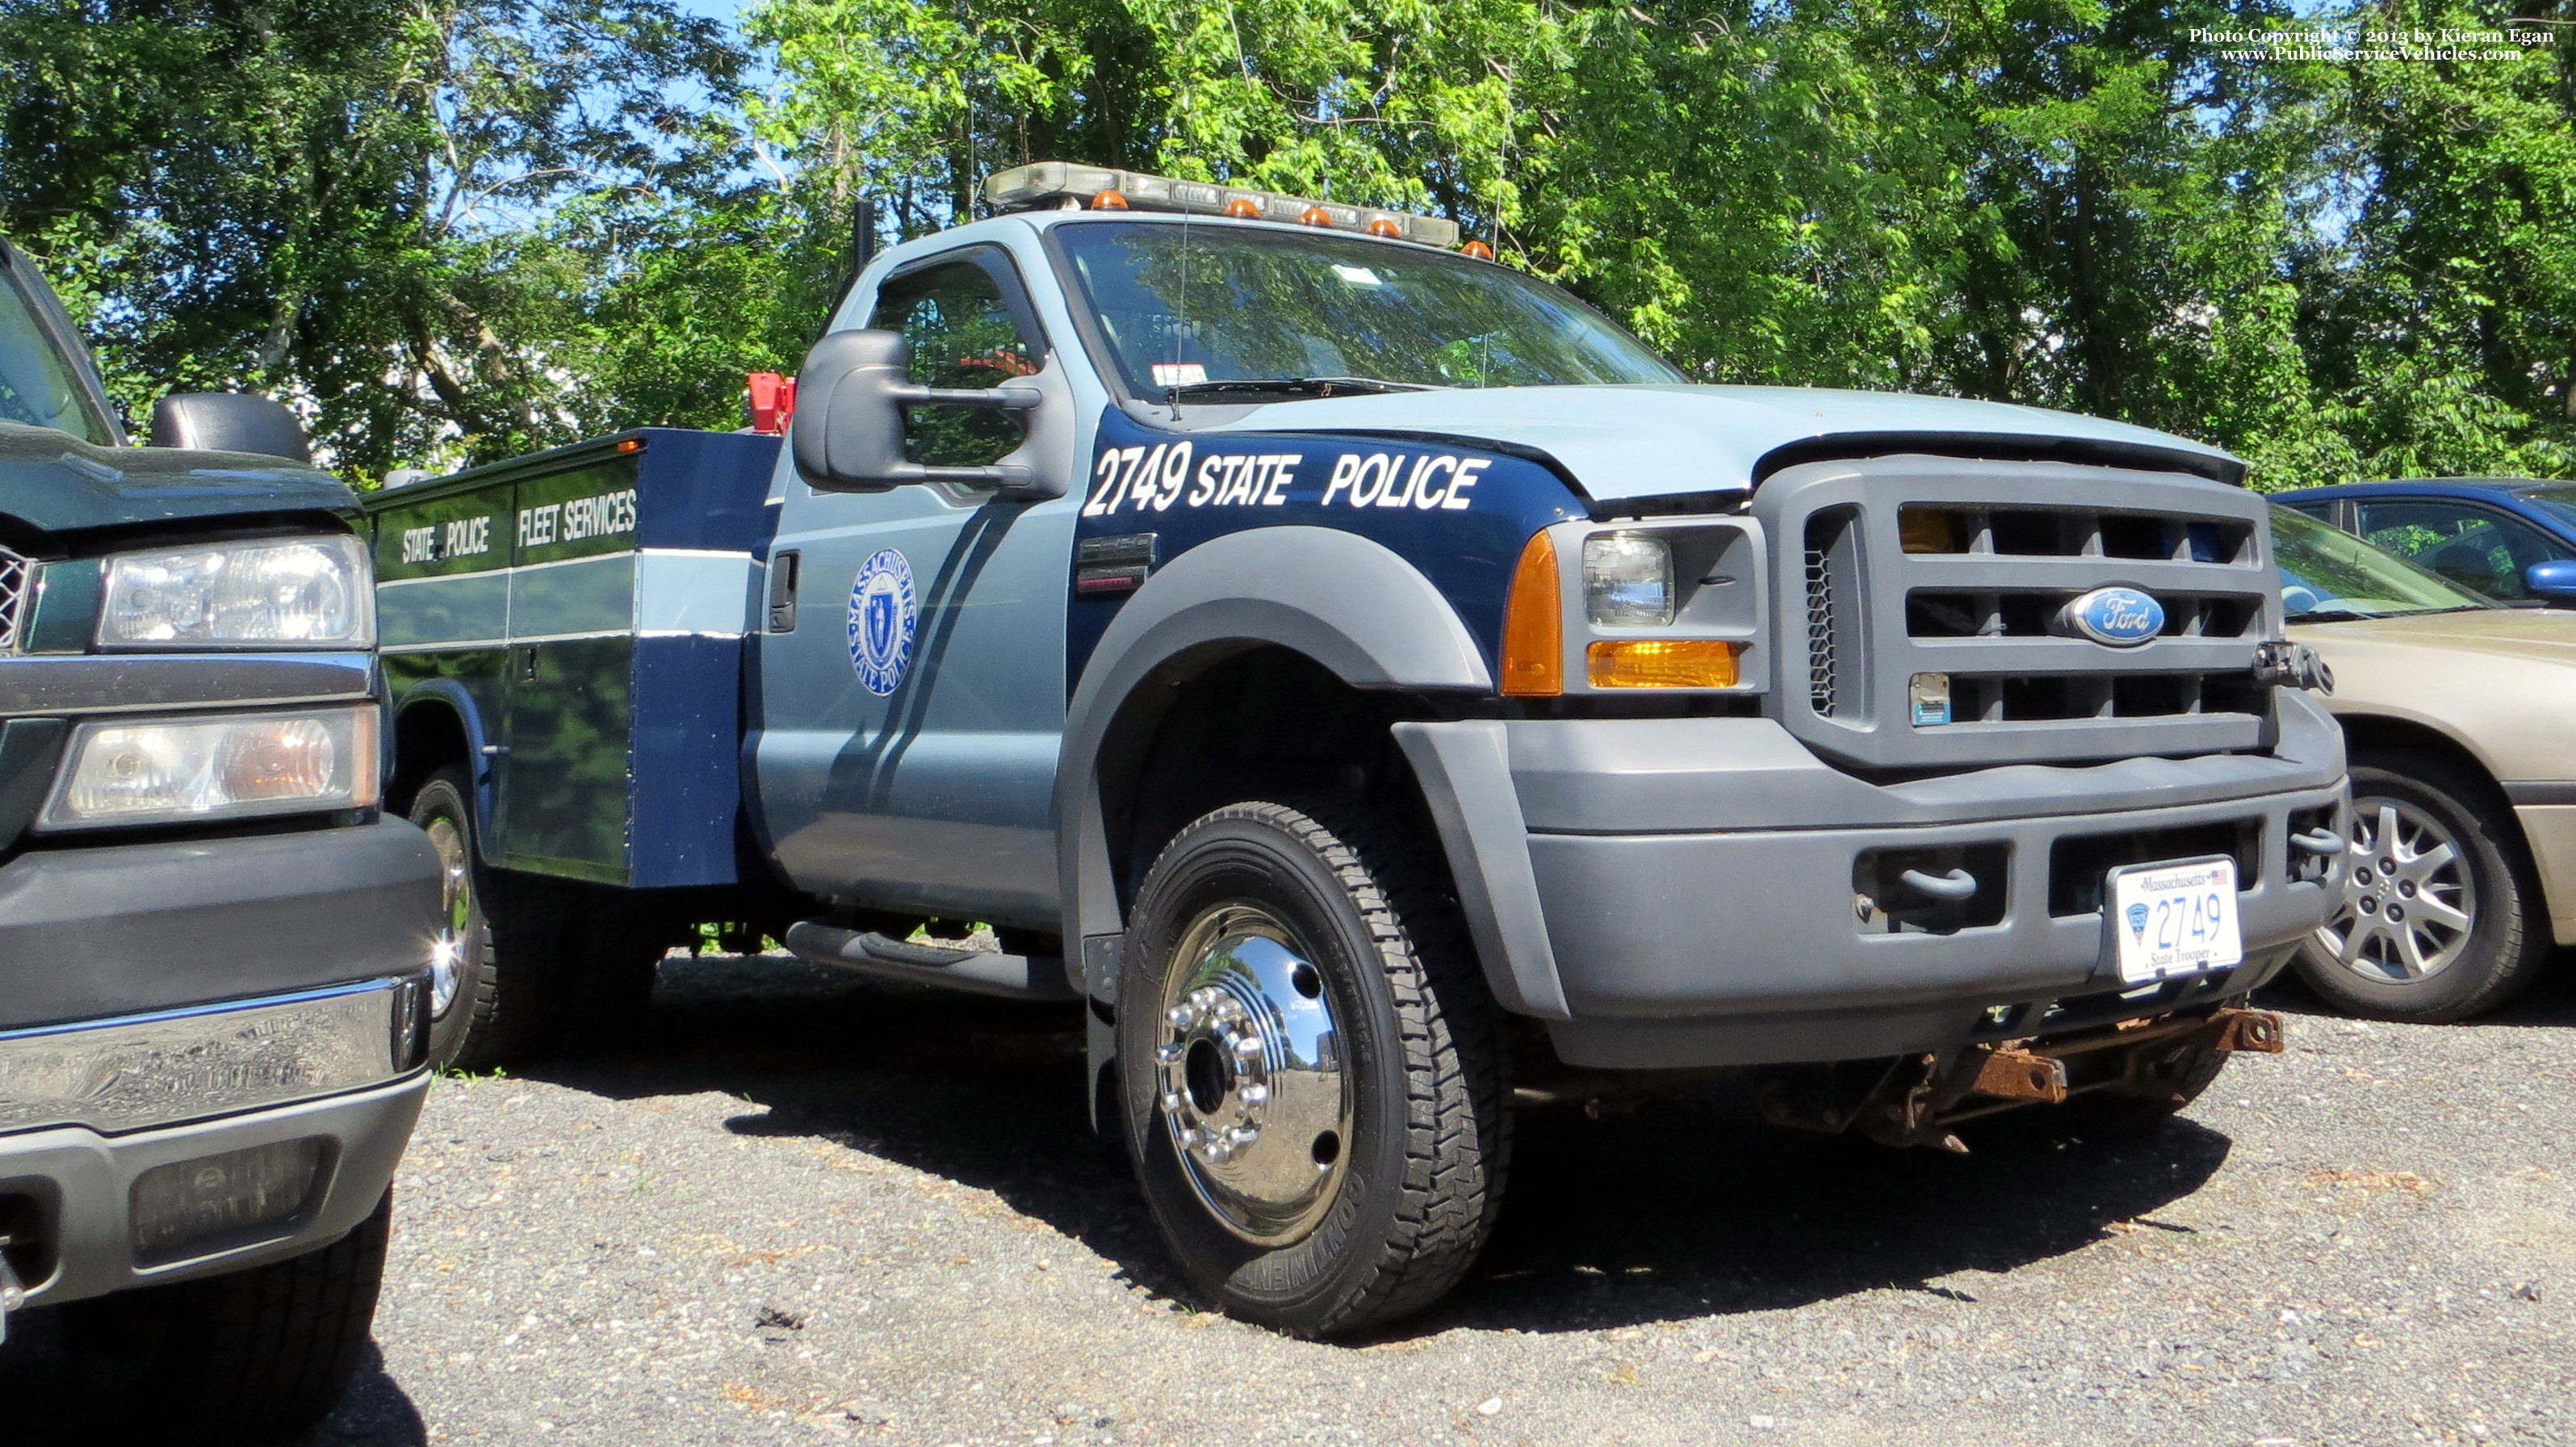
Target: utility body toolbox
{"x":583,"y":611}
{"x":1342,"y":664}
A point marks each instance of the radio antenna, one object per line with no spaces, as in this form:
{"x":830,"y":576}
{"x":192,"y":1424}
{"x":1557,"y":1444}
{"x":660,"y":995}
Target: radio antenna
{"x":1181,"y":323}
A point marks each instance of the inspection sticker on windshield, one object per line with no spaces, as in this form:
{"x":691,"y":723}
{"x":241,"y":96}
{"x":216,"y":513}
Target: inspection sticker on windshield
{"x":2175,"y":919}
{"x":1179,"y":374}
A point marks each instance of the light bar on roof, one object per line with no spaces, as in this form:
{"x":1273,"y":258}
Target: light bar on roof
{"x":1044,"y":183}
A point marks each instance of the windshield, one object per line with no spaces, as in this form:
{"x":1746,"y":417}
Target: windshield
{"x":2327,"y":574}
{"x":38,"y":385}
{"x":1244,"y":305}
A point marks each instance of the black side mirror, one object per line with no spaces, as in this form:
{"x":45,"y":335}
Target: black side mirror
{"x":847,"y":433}
{"x":2553,"y":581}
{"x":228,"y":422}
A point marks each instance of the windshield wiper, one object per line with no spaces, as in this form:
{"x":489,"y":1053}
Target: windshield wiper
{"x":1295,"y":387}
{"x":2331,"y":615}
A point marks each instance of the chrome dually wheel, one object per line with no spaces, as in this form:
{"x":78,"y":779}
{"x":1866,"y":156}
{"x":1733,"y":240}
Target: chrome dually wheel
{"x":2409,"y":903}
{"x":1254,"y":1095}
{"x":1312,"y":1078}
{"x":456,"y":913}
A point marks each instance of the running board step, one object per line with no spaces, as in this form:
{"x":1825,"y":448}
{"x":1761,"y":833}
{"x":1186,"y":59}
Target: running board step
{"x":981,"y":972}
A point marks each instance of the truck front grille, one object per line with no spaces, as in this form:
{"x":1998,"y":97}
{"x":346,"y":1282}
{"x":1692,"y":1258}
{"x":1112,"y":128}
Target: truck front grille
{"x":1820,"y":631}
{"x":1914,"y":566}
{"x":17,"y":590}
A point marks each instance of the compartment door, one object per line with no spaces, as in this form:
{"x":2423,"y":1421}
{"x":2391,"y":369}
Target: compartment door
{"x":568,"y":677}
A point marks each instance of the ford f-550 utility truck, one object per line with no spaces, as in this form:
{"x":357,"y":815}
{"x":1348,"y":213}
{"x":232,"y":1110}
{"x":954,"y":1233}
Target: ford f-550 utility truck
{"x":215,"y":956}
{"x":1345,"y":665}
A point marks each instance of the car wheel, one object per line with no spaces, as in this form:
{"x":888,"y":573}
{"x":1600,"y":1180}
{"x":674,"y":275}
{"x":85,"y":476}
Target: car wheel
{"x":492,"y":967}
{"x":2437,"y":919}
{"x":1312,"y":1071}
{"x":247,"y":1357}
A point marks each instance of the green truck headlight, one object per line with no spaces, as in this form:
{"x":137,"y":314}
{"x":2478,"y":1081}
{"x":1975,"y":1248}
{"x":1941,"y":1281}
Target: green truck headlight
{"x":310,"y":592}
{"x":172,"y":771}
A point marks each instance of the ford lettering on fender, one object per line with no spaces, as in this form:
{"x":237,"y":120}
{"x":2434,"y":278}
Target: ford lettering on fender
{"x":1336,"y":666}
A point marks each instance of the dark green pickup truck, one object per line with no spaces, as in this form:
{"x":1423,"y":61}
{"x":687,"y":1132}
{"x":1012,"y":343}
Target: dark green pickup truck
{"x":218,"y":961}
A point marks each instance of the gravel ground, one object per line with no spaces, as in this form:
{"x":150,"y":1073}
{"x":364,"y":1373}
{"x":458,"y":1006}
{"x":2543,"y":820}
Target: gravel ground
{"x":810,"y":1210}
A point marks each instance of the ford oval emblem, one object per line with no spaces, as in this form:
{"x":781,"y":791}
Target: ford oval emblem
{"x":2119,"y":617}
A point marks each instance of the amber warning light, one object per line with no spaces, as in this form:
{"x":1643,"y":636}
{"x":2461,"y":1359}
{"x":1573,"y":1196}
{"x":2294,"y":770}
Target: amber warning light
{"x":773,"y":402}
{"x":1056,"y":184}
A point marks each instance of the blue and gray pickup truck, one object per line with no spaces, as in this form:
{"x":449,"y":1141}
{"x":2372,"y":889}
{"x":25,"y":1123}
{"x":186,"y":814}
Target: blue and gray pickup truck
{"x":215,"y":953}
{"x":1352,"y":672}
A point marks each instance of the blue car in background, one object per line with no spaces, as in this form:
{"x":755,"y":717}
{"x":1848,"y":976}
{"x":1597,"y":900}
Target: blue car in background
{"x":2512,"y":539}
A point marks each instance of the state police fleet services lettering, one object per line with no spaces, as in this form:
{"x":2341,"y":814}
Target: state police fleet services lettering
{"x":1162,"y":478}
{"x":583,"y":517}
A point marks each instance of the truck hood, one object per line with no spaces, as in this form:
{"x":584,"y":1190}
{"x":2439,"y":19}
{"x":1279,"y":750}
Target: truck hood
{"x":53,"y":482}
{"x":1655,"y":440}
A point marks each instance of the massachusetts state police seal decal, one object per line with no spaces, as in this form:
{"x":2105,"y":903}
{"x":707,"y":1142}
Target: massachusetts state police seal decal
{"x":883,"y":613}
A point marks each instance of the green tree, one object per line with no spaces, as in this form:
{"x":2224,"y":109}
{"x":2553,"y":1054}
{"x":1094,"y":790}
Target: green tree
{"x":2443,"y":317}
{"x":423,"y":222}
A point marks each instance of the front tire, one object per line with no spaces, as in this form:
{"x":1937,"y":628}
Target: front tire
{"x":2438,"y":919}
{"x":249,"y":1357}
{"x":1312,"y":1073}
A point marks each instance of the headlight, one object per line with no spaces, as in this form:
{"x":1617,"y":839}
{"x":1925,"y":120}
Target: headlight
{"x":176,"y":771}
{"x":260,"y":592}
{"x":1628,"y":581}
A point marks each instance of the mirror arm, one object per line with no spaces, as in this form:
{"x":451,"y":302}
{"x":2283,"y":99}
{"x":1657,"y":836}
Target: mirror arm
{"x":1005,"y":474}
{"x":1009,"y":399}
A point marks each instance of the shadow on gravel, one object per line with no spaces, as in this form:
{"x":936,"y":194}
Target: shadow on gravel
{"x":1691,"y":1207}
{"x":987,"y":1093}
{"x":1682,"y":1208}
{"x":49,"y":1398}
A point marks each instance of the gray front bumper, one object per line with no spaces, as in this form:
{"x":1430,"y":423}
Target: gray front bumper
{"x":1671,"y":892}
{"x":77,"y":1185}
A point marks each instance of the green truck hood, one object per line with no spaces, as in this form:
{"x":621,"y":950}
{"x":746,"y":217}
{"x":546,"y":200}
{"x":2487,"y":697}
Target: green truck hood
{"x":55,"y":483}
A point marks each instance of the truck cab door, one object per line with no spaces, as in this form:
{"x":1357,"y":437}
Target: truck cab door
{"x":913,"y":705}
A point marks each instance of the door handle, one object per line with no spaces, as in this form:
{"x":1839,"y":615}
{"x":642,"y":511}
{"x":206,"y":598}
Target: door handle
{"x":783,"y":568}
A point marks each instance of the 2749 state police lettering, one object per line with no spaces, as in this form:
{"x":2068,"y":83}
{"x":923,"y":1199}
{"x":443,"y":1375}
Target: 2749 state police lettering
{"x":1163,"y":477}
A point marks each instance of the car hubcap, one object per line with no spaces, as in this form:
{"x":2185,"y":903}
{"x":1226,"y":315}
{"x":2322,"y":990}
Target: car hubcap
{"x":2408,"y":906}
{"x":1252,"y":1086}
{"x":456,"y":900}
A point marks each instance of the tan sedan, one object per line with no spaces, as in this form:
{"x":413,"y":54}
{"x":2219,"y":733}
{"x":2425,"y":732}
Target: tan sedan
{"x":2461,"y":721}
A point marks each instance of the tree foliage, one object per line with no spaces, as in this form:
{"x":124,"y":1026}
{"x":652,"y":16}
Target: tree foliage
{"x":505,"y":222}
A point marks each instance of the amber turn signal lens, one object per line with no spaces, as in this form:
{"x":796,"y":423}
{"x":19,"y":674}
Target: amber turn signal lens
{"x":1388,"y":229}
{"x":1243,"y":208}
{"x":1927,"y":530}
{"x":1108,"y":201}
{"x":1316,"y":216}
{"x":1477,"y":250}
{"x":1661,"y":663}
{"x":1534,"y":625}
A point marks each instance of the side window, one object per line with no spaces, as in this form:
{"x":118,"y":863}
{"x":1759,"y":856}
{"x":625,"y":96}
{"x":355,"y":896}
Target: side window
{"x":2480,"y":550}
{"x":963,"y":332}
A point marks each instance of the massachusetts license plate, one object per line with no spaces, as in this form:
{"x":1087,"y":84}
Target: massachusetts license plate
{"x":2175,"y":919}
